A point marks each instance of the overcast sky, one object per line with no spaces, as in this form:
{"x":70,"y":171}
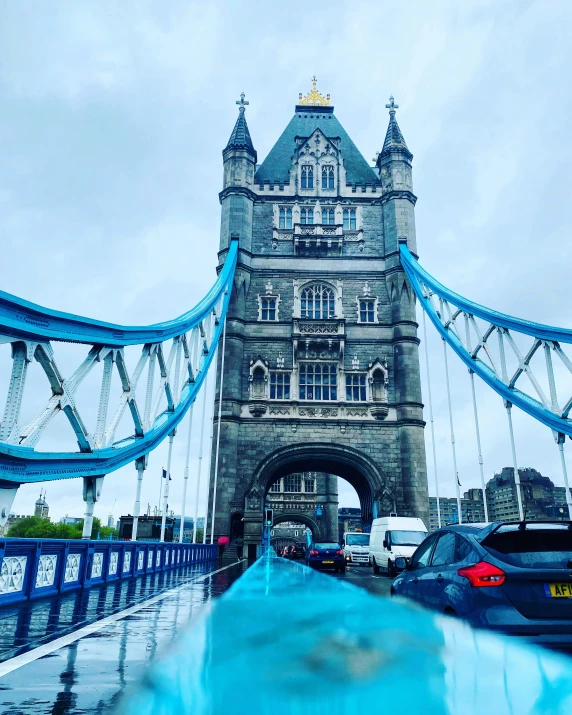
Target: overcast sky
{"x":112,"y":121}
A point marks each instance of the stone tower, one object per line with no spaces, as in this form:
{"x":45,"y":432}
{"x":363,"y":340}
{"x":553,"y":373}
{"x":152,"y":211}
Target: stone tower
{"x":321,"y":363}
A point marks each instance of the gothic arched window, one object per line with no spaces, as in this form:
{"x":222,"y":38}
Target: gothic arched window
{"x":307,"y":216}
{"x":329,"y":217}
{"x":317,"y":302}
{"x":349,"y":219}
{"x":327,"y":177}
{"x":285,"y":220}
{"x":307,"y":176}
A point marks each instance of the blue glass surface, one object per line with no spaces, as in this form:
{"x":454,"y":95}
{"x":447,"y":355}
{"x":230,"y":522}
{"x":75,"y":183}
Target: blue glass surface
{"x":288,"y":640}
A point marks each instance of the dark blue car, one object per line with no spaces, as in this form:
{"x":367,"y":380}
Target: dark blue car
{"x":510,"y":577}
{"x":328,"y":555}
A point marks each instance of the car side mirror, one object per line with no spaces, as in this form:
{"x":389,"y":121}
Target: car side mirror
{"x":400,"y":564}
{"x":343,"y":544}
{"x":385,"y":543}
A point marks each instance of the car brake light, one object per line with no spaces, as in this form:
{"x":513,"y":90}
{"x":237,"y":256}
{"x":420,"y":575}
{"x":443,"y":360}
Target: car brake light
{"x":314,"y":552}
{"x":483,"y":574}
{"x":339,"y":552}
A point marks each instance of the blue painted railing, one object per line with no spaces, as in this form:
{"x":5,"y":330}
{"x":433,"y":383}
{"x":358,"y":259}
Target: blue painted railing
{"x":286,"y":639}
{"x":34,"y":568}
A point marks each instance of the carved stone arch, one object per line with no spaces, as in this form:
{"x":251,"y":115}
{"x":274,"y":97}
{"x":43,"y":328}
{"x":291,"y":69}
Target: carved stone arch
{"x":392,"y":291}
{"x":378,"y":380}
{"x":237,"y":304}
{"x":299,"y":518}
{"x":404,"y":292}
{"x":258,"y":386}
{"x":344,"y":461}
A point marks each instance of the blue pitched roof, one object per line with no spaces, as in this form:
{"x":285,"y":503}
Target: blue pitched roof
{"x":277,"y":165}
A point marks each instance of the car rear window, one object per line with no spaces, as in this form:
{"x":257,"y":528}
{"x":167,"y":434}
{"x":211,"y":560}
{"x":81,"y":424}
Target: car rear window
{"x":538,"y":546}
{"x":326,"y":546}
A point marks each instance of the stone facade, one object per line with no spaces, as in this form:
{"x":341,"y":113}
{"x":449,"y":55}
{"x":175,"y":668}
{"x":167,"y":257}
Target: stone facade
{"x":321,"y":362}
{"x":309,"y":498}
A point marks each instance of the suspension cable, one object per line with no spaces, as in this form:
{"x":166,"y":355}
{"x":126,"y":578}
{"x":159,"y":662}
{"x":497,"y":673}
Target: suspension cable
{"x":431,"y":419}
{"x":460,"y":518}
{"x":166,"y":490}
{"x":200,"y":460}
{"x":186,"y":473}
{"x":560,"y":439}
{"x":218,"y":429}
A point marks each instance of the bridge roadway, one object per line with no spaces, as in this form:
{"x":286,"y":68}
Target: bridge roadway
{"x":79,"y":652}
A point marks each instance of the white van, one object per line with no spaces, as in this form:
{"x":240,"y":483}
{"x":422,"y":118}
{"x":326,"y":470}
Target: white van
{"x":356,"y":547}
{"x":393,"y":536}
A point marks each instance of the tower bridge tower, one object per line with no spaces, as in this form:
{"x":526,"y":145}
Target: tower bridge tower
{"x":321,"y":366}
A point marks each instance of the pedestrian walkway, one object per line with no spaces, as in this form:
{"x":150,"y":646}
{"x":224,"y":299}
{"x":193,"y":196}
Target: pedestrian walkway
{"x":84,"y":665}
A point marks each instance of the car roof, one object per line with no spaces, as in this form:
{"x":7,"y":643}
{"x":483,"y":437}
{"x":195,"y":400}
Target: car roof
{"x":482,"y":529}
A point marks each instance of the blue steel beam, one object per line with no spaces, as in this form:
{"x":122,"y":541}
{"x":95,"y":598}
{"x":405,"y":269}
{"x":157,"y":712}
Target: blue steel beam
{"x":27,"y":321}
{"x":418,"y":277}
{"x":22,"y":464}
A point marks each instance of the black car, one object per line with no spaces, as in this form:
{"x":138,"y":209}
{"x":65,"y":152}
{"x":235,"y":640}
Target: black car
{"x":328,"y":555}
{"x":509,"y":577}
{"x":294,"y":551}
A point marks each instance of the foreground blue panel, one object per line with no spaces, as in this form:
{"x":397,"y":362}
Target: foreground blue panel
{"x":289,"y":640}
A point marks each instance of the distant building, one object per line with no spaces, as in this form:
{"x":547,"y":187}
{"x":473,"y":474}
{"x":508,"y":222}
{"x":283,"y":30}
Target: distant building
{"x":540,"y":498}
{"x":12,"y":519}
{"x":41,"y":507}
{"x":472,"y":509}
{"x":148,"y":528}
{"x":349,"y":519}
{"x":188,"y":529}
{"x":110,"y":521}
{"x":71,"y":520}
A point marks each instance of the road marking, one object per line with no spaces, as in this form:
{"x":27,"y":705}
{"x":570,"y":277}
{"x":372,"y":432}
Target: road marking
{"x":30,"y":656}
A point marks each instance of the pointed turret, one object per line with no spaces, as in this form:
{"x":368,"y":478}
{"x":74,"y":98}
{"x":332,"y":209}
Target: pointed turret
{"x":240,"y":137}
{"x":393,"y":137}
{"x":237,"y":197}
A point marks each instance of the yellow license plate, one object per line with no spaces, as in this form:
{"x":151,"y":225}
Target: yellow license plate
{"x":560,"y":590}
{"x":327,"y":562}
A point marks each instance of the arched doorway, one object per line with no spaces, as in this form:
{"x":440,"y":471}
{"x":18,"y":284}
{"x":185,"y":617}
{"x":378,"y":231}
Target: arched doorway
{"x":236,"y":526}
{"x":340,"y":460}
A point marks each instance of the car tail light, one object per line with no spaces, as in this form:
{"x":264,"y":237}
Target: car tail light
{"x":339,"y":552}
{"x":483,"y":574}
{"x":314,"y":552}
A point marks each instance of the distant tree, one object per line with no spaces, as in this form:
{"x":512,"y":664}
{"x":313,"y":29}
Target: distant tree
{"x":34,"y":527}
{"x":200,"y":536}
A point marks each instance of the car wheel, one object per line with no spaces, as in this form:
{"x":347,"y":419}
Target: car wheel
{"x":390,"y":568}
{"x":343,"y":570}
{"x":375,"y":566}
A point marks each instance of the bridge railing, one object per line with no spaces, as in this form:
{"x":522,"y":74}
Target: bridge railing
{"x":35,"y":568}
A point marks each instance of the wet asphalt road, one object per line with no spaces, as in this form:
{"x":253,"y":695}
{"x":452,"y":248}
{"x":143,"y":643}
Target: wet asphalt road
{"x":90,"y":674}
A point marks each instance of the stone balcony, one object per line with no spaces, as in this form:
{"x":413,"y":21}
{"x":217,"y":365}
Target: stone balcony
{"x":318,"y":235}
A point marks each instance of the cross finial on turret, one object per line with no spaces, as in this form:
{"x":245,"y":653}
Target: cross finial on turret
{"x":392,"y":106}
{"x":242,"y":103}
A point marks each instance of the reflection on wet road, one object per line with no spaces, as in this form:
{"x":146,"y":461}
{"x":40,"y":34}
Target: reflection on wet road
{"x":90,"y":674}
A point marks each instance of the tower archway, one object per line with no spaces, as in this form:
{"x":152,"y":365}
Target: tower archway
{"x":340,"y":460}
